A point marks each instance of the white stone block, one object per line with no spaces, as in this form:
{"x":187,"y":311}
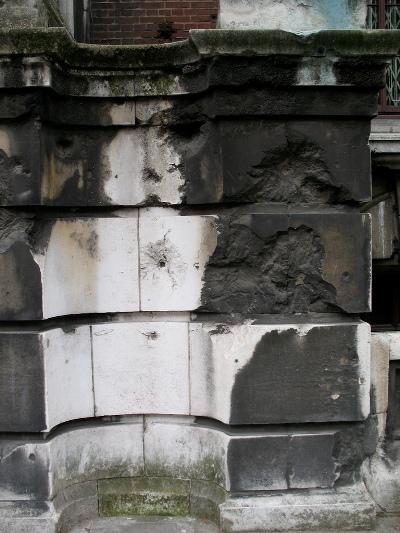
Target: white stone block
{"x":90,"y":266}
{"x":176,"y":447}
{"x":141,"y":368}
{"x":91,"y":453}
{"x":173,"y":254}
{"x":68,"y":374}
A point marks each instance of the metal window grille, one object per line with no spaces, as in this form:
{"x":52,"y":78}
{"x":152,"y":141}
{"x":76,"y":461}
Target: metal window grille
{"x":385,"y":14}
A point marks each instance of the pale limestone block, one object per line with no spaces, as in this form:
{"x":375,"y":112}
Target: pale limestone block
{"x":142,"y":165}
{"x":380,"y":351}
{"x":344,"y":509}
{"x":394,"y":343}
{"x":178,"y":448}
{"x":141,"y":368}
{"x":90,"y":266}
{"x":280,"y":373}
{"x":90,"y":453}
{"x":173,"y":255}
{"x":68,"y":369}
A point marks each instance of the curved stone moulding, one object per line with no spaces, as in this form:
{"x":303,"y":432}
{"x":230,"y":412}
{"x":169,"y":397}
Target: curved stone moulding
{"x":276,"y":263}
{"x":218,"y":370}
{"x":51,"y":58}
{"x":176,"y":465}
{"x":216,"y":161}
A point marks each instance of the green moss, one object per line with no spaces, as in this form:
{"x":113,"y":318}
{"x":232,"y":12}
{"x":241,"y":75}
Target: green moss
{"x":208,"y":468}
{"x":144,"y":496}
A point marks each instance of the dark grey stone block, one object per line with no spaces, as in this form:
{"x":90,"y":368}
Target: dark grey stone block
{"x":280,"y":462}
{"x":24,"y":470}
{"x":295,"y":162}
{"x":22,"y":387}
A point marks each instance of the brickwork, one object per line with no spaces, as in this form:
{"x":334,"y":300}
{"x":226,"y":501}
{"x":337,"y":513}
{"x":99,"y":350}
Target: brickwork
{"x":149,"y":21}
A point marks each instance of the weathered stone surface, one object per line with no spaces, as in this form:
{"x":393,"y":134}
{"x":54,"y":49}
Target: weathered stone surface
{"x":280,"y":373}
{"x":27,"y":517}
{"x":289,"y":162}
{"x":380,"y":353}
{"x":296,"y":263}
{"x":239,"y":461}
{"x":173,"y":256}
{"x":204,"y":162}
{"x":292,"y":15}
{"x":34,"y":469}
{"x":325,"y":510}
{"x":53,"y":267}
{"x":144,"y":496}
{"x":141,"y":368}
{"x":45,"y":379}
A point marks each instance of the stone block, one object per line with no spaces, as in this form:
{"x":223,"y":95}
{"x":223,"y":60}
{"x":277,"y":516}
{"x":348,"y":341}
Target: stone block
{"x":144,"y":496}
{"x":245,"y":161}
{"x":173,"y":256}
{"x":239,"y":461}
{"x":299,"y":462}
{"x":27,"y":517}
{"x":141,"y":367}
{"x":293,"y":15}
{"x":341,"y":510}
{"x":380,"y":353}
{"x":295,"y":263}
{"x":97,"y":452}
{"x":41,"y":260}
{"x":31,"y":469}
{"x":45,"y":379}
{"x":282,"y":372}
{"x":176,"y":447}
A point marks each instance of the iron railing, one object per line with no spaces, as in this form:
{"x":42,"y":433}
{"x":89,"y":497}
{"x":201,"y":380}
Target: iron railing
{"x":385,"y":14}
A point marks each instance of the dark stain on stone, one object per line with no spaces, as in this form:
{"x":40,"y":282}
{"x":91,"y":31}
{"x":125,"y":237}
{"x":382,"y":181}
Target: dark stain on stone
{"x":295,"y":378}
{"x":89,"y":243}
{"x":22,"y":476}
{"x":150,"y":174}
{"x":20,"y":284}
{"x":369,"y":73}
{"x":151,"y":335}
{"x":264,"y":267}
{"x":220,"y":329}
{"x":22,"y":387}
{"x":15,"y":177}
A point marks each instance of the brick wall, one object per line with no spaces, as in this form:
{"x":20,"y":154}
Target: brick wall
{"x":149,"y":21}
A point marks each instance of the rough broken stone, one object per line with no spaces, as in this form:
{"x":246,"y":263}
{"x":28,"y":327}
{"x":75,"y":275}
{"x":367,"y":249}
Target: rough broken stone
{"x":296,"y":263}
{"x":289,"y":162}
{"x":280,"y":373}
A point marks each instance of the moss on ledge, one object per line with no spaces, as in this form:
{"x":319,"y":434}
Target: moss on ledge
{"x":58,"y":44}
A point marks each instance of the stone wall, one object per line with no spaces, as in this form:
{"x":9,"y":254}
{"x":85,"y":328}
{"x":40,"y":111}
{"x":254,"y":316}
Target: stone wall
{"x":183,"y":259}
